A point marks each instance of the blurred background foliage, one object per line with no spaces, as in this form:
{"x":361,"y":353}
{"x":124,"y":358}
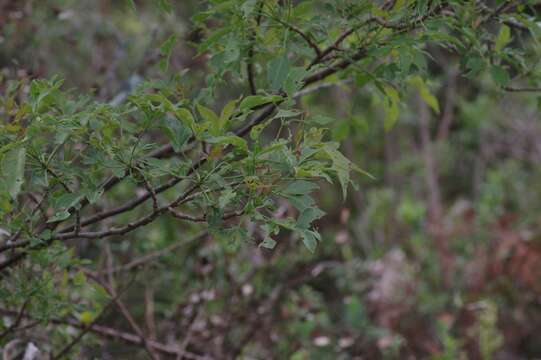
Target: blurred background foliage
{"x":438,"y":256}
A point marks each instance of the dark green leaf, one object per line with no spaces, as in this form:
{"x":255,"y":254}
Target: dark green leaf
{"x":300,"y":187}
{"x":500,"y":75}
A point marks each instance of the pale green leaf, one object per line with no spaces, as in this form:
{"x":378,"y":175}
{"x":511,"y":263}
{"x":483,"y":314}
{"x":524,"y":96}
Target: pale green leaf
{"x":340,"y":165}
{"x":251,"y":102}
{"x":310,"y":239}
{"x":207,"y":114}
{"x":165,"y":50}
{"x":13,"y":170}
{"x":227,"y":112}
{"x":268,"y":243}
{"x":185,"y":116}
{"x":504,"y":36}
{"x":233,"y":140}
{"x":86,"y":317}
{"x":425,"y":93}
{"x":321,"y":119}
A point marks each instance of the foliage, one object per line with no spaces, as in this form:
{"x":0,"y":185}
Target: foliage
{"x":234,"y":151}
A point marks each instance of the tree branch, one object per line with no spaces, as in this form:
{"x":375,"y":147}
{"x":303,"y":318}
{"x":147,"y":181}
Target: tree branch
{"x":115,"y":334}
{"x":251,"y":52}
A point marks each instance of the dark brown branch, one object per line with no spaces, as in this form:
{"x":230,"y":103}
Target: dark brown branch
{"x":143,"y":260}
{"x":191,"y":218}
{"x":12,"y":242}
{"x":525,"y":89}
{"x":250,"y":63}
{"x":14,"y":245}
{"x":151,"y":191}
{"x":399,"y":27}
{"x":115,"y":334}
{"x":303,"y":35}
{"x":358,"y":55}
{"x":333,"y":46}
{"x":145,"y":220}
{"x":50,"y":171}
{"x":450,"y":103}
{"x":17,"y":321}
{"x":85,"y":329}
{"x":137,"y":201}
{"x":110,"y":288}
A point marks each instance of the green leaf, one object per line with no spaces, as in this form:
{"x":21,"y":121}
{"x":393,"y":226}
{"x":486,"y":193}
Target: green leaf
{"x":92,"y":195}
{"x":226,"y":198}
{"x":301,"y":202}
{"x":186,"y":117}
{"x":504,"y":36}
{"x":361,"y":171}
{"x":59,"y":216}
{"x":287,"y":223}
{"x":211,"y":118}
{"x":340,"y":165}
{"x":165,"y":50}
{"x":232,"y":50}
{"x":300,"y":187}
{"x":13,"y":170}
{"x":268,"y":243}
{"x":399,"y":4}
{"x":425,"y":93}
{"x":500,"y":75}
{"x":256,"y":130}
{"x":342,"y":131}
{"x":165,"y":5}
{"x":390,"y":106}
{"x":233,"y":140}
{"x":475,"y":64}
{"x":248,"y":8}
{"x":213,"y":39}
{"x":251,"y":102}
{"x":321,"y":119}
{"x":285,"y":113}
{"x":67,"y":200}
{"x":79,"y":278}
{"x":293,"y":82}
{"x":277,"y":71}
{"x":177,"y":133}
{"x":227,"y":112}
{"x":308,"y":216}
{"x":310,"y":239}
{"x":44,"y":93}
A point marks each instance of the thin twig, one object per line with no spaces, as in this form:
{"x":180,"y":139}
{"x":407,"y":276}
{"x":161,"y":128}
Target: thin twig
{"x":111,"y":289}
{"x":525,"y":89}
{"x":17,"y":321}
{"x":250,"y":63}
{"x":143,"y":260}
{"x":88,"y":327}
{"x":302,"y":34}
{"x":116,"y":334}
